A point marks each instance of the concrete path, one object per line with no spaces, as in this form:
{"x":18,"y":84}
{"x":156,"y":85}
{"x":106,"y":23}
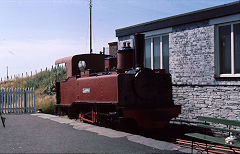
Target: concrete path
{"x":43,"y":133}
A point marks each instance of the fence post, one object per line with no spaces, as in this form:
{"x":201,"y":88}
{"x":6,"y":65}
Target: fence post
{"x":32,"y":105}
{"x":10,"y":100}
{"x":34,"y":99}
{"x":1,"y":101}
{"x":21,"y":102}
{"x":21,"y":99}
{"x":14,"y":100}
{"x":25,"y":100}
{"x":7,"y":102}
{"x":17,"y":100}
{"x":4,"y":101}
{"x":30,"y":101}
{"x":27,"y":96}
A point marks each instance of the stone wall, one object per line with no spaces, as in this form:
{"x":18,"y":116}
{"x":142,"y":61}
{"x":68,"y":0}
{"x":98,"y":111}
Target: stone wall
{"x":192,"y":66}
{"x":214,"y":101}
{"x":191,"y":54}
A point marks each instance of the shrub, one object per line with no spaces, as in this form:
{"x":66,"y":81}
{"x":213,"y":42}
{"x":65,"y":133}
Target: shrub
{"x":46,"y":104}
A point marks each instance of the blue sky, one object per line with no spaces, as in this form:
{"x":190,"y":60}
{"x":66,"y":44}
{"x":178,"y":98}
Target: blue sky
{"x":34,"y":33}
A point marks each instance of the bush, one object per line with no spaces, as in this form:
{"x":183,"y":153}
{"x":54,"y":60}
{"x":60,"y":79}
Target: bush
{"x":46,"y":80}
{"x":50,"y":89}
{"x":46,"y":104}
{"x":49,"y":108}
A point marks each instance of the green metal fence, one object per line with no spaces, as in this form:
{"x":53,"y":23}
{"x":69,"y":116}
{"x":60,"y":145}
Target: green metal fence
{"x":17,"y":100}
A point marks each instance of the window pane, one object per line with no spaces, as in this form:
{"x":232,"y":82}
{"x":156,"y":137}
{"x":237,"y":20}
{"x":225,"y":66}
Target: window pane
{"x":225,"y":49}
{"x":236,"y":32}
{"x":165,"y":42}
{"x":148,"y":53}
{"x":156,"y":53}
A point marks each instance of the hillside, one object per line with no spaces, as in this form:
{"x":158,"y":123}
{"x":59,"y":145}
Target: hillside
{"x":44,"y":85}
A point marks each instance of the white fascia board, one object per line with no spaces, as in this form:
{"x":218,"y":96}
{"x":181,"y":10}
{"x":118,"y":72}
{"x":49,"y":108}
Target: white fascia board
{"x":226,"y":19}
{"x":158,"y":32}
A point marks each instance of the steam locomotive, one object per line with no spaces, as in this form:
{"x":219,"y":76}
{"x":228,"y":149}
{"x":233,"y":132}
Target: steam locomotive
{"x":100,"y":88}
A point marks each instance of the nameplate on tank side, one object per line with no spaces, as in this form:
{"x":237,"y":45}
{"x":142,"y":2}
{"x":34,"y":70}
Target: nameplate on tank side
{"x":86,"y":90}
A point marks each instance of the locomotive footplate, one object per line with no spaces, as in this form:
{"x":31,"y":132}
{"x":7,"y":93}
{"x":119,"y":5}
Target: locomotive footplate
{"x":152,"y":118}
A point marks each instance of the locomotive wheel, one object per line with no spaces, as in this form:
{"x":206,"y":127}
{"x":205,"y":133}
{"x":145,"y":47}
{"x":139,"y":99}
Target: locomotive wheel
{"x":128,"y":124}
{"x":59,"y":111}
{"x":72,"y":113}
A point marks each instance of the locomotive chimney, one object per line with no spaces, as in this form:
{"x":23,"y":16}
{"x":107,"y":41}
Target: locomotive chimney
{"x":139,"y":50}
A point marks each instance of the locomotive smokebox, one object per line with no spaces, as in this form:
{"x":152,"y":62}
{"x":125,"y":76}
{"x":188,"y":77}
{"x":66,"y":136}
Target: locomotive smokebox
{"x":139,"y":50}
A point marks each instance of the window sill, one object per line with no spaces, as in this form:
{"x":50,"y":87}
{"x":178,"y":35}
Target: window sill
{"x":227,"y":76}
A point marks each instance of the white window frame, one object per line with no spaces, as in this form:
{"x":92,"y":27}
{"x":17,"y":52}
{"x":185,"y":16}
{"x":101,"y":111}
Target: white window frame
{"x":232,"y":50}
{"x":152,"y":48}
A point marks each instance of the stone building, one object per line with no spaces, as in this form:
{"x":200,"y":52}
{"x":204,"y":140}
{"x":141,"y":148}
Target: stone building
{"x":201,"y":50}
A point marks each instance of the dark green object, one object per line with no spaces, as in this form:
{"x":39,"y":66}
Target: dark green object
{"x":212,"y":139}
{"x":220,"y":129}
{"x":219,"y":121}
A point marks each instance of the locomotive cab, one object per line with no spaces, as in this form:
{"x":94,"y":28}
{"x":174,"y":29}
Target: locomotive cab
{"x":93,"y":63}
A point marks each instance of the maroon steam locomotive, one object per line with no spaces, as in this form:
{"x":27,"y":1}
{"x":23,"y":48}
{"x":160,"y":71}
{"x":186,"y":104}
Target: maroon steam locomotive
{"x":100,"y":88}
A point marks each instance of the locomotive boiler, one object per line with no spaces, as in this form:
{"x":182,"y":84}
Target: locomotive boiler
{"x":100,"y":88}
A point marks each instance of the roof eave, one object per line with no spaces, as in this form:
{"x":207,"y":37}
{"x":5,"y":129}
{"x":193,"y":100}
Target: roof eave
{"x":196,"y":16}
